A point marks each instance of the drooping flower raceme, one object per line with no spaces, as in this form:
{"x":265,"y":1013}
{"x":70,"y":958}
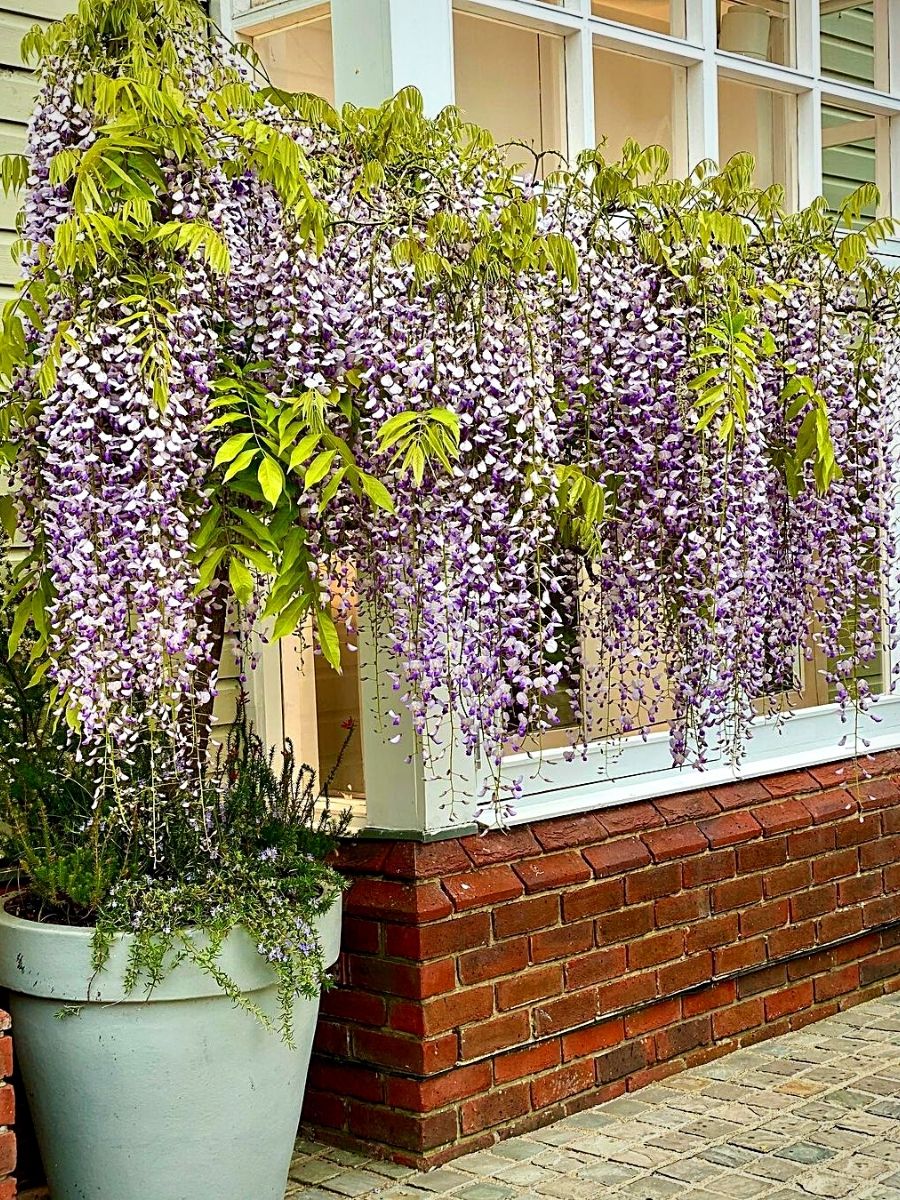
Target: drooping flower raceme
{"x":597,"y":453}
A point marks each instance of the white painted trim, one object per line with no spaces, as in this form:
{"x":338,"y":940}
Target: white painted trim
{"x":265,"y":17}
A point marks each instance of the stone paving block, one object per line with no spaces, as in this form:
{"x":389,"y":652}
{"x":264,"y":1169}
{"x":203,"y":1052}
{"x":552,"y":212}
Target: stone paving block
{"x":690,"y":1170}
{"x":313,"y":1170}
{"x":887,"y":1108}
{"x":444,"y":1179}
{"x":346,"y":1158}
{"x":779,"y":1170}
{"x":355,"y":1182}
{"x":518,"y":1148}
{"x":390,"y":1170}
{"x":763,"y":1141}
{"x":827,"y":1183}
{"x":486,"y":1191}
{"x":679,"y":1143}
{"x":711,"y":1129}
{"x":556,"y":1135}
{"x":879,"y":1085}
{"x":806,"y":1153}
{"x":599,"y":1146}
{"x":732,"y":1157}
{"x":742,"y":1187}
{"x":647,"y":1157}
{"x":650,"y":1188}
{"x":527,"y":1175}
{"x":485,"y":1164}
{"x":569,"y":1188}
{"x":608,"y":1173}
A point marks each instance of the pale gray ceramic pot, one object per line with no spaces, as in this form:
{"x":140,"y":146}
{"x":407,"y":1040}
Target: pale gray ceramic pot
{"x":176,"y":1096}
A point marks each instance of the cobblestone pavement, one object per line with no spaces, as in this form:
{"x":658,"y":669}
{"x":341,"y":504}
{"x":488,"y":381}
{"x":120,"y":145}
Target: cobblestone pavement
{"x":813,"y":1113}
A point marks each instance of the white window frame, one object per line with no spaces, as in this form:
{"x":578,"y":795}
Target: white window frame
{"x":410,"y":41}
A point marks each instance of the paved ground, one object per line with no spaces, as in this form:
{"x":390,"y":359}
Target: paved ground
{"x":814,"y":1113}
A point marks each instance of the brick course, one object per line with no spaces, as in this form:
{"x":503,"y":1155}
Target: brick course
{"x":492,"y":984}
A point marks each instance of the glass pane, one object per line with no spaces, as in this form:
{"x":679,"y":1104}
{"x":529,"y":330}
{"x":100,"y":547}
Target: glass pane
{"x":512,"y":81}
{"x":298,"y":58}
{"x":662,"y":16}
{"x":761,"y":29}
{"x":854,"y":43}
{"x":639,"y":98}
{"x":849,"y":154}
{"x":760,"y":122}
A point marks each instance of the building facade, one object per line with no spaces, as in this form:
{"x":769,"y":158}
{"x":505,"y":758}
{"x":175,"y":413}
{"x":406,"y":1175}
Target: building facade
{"x":636,"y":916}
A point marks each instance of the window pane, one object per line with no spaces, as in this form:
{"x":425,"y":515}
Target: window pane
{"x":298,"y":58}
{"x":662,"y":16}
{"x":640,"y":98}
{"x":758,"y":29}
{"x":760,"y":122}
{"x":854,"y":43}
{"x":849,"y":154}
{"x":512,"y":81}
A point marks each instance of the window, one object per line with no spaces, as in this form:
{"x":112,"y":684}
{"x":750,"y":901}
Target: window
{"x":298,"y":57}
{"x":662,"y":16}
{"x":761,"y":122}
{"x":640,"y":98}
{"x":558,"y":75}
{"x":853,"y":43}
{"x":512,"y":80}
{"x":762,"y":29}
{"x":849,"y":153}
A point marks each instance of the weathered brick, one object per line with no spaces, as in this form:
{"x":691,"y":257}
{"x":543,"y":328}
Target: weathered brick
{"x":402,"y":979}
{"x":618,"y":855}
{"x":499,"y":1033}
{"x":529,"y":986}
{"x":633,"y":921}
{"x":561,"y":1083}
{"x":621,"y":1062}
{"x":675,"y":977}
{"x":629,"y":818}
{"x":421,"y":1056}
{"x":717,"y":931}
{"x":435,"y":941}
{"x":835,"y":865}
{"x":859,"y":887}
{"x":878,"y":793}
{"x":351,"y":1004}
{"x":880,"y":966}
{"x":652,"y":882}
{"x":425,"y":860}
{"x":497,"y":1108}
{"x":683,"y":1037}
{"x":445,"y":1012}
{"x":486,"y":886}
{"x":602,"y":896}
{"x":499,"y":846}
{"x":491,"y":962}
{"x":360,"y":936}
{"x":792,"y":939}
{"x":346,"y":1079}
{"x":787,"y":879}
{"x":880,"y":853}
{"x":708,"y":868}
{"x":841,"y":924}
{"x":828,"y":806}
{"x":760,"y":918}
{"x":681,"y":909}
{"x":625,"y":993}
{"x":324,"y":1108}
{"x":522,"y":916}
{"x":856,"y":830}
{"x":593,"y":1038}
{"x":762,"y":856}
{"x":807,"y":843}
{"x":736,"y":893}
{"x":790,"y":1000}
{"x":789,"y":783}
{"x":687,"y":806}
{"x":677,"y":841}
{"x":595,"y":967}
{"x":426,"y":1095}
{"x":836,"y":983}
{"x":408,"y":1131}
{"x":558,"y":1016}
{"x":740,"y":956}
{"x":409,"y":903}
{"x":564,"y":941}
{"x":655,"y":949}
{"x":782,"y":817}
{"x":717,"y":995}
{"x":552,"y":871}
{"x":764,"y":980}
{"x":530,"y":1061}
{"x":730,"y":829}
{"x":561,"y":833}
{"x":814,"y":903}
{"x":729,"y":1021}
{"x":655,"y":1016}
{"x":740,"y":795}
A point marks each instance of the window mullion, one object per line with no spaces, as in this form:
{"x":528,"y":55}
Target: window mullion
{"x":580,"y":123}
{"x":702,"y":85}
{"x":809,"y":145}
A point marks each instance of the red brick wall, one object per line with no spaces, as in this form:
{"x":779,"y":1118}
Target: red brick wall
{"x":493,"y":984}
{"x":7,"y":1114}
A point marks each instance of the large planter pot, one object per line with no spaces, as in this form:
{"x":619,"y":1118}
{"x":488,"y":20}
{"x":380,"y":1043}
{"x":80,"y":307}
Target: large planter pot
{"x":178,"y":1095}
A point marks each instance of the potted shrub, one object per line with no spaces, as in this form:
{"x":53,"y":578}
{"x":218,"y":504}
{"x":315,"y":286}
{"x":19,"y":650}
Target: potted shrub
{"x":170,"y":1060}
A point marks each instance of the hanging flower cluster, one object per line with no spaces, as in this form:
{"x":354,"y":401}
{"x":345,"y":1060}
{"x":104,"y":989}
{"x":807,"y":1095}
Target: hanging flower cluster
{"x":606,"y":452}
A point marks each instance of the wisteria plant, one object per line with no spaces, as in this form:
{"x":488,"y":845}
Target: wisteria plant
{"x":597,"y":450}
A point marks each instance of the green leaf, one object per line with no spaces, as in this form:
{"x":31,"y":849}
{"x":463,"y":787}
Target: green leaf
{"x":271,"y":479}
{"x":8,"y":515}
{"x":241,"y":463}
{"x":376,"y":491}
{"x":319,"y":468}
{"x":230,"y":449}
{"x":328,"y":637}
{"x":241,"y":580}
